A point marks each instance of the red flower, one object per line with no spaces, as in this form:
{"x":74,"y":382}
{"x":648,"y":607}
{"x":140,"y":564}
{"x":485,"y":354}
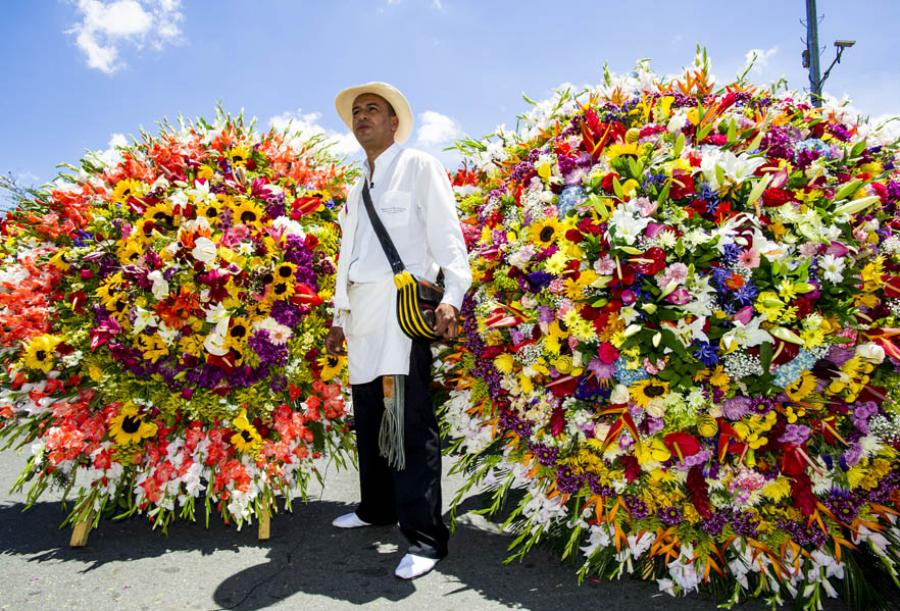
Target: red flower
{"x":682,"y":444}
{"x":776,"y":197}
{"x":632,"y":468}
{"x":802,"y":494}
{"x":699,"y":492}
{"x":557,"y":421}
{"x":682,"y":185}
{"x":607,"y":353}
{"x":651,"y":262}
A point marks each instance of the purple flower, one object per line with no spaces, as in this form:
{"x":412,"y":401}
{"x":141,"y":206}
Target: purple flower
{"x":269,"y":353}
{"x":669,"y":516}
{"x":736,"y":408}
{"x":794,"y":434}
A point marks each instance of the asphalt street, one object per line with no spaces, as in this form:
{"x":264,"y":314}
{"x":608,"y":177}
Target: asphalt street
{"x":307,"y":564}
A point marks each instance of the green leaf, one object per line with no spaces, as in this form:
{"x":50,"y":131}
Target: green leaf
{"x":679,"y":145}
{"x":765,"y":355}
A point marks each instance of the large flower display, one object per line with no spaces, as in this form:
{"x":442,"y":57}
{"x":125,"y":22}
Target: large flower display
{"x":163,"y":311}
{"x":682,"y":336}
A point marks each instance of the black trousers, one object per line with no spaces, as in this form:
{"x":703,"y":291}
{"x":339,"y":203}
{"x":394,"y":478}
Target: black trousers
{"x":411,"y":496}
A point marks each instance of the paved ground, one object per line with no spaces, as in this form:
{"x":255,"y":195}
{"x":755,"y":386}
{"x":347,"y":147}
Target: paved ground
{"x":307,"y":564}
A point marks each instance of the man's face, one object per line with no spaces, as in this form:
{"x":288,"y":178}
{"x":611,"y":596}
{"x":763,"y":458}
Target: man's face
{"x":373,"y":122}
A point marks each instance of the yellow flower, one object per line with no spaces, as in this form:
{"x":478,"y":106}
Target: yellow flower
{"x":545,"y":232}
{"x":210,"y":209}
{"x":247,"y":213}
{"x":238,"y":332}
{"x":769,"y":305}
{"x":651,"y":450}
{"x":554,"y":337}
{"x":162,"y":215}
{"x":557,"y":262}
{"x":247,"y":439}
{"x":777,"y":489}
{"x":504,"y":363}
{"x":645,"y":391}
{"x":800,"y":388}
{"x":129,"y":426}
{"x":332,"y":366}
{"x":39,"y":352}
{"x":192,"y":344}
{"x":130,"y":252}
{"x":238,"y":155}
{"x":127,"y":188}
{"x":617,"y":150}
{"x":285,"y":271}
{"x":152,"y":346}
{"x":719,"y":378}
{"x":205,"y":173}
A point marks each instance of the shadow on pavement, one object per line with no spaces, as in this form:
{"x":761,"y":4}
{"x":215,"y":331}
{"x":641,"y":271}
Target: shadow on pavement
{"x":307,"y":555}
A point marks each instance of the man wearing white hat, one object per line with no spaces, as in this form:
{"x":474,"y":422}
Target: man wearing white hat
{"x":411,"y":195}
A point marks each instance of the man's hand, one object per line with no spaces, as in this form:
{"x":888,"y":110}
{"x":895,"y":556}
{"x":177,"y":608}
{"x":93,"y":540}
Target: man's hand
{"x":334,"y":343}
{"x":446,"y":321}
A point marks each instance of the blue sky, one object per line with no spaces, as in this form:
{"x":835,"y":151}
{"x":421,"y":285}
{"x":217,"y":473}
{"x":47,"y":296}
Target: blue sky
{"x":78,"y":72}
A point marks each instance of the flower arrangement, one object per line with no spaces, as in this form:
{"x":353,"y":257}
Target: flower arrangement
{"x":681,"y":340}
{"x":163,"y":309}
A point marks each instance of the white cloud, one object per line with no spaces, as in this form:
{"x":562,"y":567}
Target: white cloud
{"x":437,"y":5}
{"x":436,"y":132}
{"x":760,"y":58}
{"x":307,"y":124}
{"x":436,"y":129}
{"x":106,"y":26}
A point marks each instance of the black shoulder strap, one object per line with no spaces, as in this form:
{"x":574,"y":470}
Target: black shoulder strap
{"x":386,"y":243}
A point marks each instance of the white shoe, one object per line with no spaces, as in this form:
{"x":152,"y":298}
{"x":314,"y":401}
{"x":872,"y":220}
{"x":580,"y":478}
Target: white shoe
{"x":412,"y":566}
{"x":349,"y":520}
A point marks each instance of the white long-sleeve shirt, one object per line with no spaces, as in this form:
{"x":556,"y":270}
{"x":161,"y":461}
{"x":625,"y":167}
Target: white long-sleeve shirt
{"x":413,"y":197}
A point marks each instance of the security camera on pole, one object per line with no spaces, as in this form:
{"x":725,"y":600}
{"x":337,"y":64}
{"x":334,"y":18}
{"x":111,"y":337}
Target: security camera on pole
{"x":811,"y":54}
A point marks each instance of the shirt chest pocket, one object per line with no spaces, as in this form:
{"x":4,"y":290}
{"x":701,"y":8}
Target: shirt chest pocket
{"x":394,"y":208}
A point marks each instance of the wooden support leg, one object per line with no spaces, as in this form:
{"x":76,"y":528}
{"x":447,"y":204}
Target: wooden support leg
{"x":264,"y":525}
{"x":80,"y":532}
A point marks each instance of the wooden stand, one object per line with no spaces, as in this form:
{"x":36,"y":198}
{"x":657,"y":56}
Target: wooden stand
{"x":80,"y":532}
{"x":264,"y":525}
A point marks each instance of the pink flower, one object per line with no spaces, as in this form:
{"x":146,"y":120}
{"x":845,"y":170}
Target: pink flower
{"x":679,"y":297}
{"x":749,"y":258}
{"x":645,"y":206}
{"x":677,"y":273}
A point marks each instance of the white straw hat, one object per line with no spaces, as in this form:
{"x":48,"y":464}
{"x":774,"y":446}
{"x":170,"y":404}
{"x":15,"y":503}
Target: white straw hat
{"x":344,"y":105}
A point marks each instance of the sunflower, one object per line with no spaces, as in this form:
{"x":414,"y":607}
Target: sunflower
{"x":158,"y":215}
{"x":246,"y":213}
{"x":129,"y":426}
{"x":801,"y":388}
{"x":238,"y":332}
{"x":618,"y":150}
{"x":285,"y":271}
{"x":332,"y":366}
{"x":247,"y":439}
{"x":210,"y":209}
{"x":281,"y":289}
{"x":126,"y":189}
{"x":238,"y":155}
{"x":130,"y":252}
{"x":645,"y":391}
{"x":39,"y":352}
{"x":545,"y":232}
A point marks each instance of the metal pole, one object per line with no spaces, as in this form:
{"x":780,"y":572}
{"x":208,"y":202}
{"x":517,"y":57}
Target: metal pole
{"x":812,"y":49}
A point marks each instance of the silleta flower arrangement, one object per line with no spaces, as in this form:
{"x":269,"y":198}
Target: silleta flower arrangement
{"x":163,"y":315}
{"x":682,"y":340}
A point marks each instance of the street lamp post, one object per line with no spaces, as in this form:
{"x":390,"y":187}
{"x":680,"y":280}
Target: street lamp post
{"x":811,"y":54}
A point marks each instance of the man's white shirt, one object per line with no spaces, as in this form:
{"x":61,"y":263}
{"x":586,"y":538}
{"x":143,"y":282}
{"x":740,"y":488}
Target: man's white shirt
{"x":414,"y":200}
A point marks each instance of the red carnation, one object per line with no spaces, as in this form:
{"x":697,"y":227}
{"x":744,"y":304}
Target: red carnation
{"x":773,"y":197}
